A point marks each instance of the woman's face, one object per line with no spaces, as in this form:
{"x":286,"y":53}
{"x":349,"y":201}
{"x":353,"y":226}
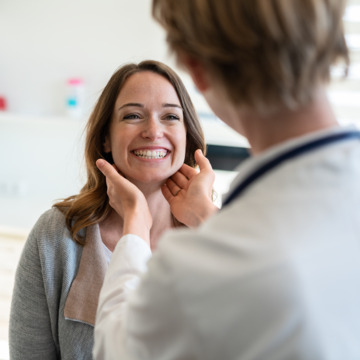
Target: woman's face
{"x":147,"y":135}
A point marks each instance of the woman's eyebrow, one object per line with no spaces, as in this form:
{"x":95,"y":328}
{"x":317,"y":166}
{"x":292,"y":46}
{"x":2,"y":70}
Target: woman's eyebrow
{"x":172,"y":105}
{"x":166,"y":105}
{"x":131,"y":104}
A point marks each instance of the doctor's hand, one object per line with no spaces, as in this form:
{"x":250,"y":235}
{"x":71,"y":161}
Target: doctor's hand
{"x":189,"y":192}
{"x":128,"y":201}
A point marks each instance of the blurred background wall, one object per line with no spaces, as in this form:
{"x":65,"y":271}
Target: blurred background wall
{"x":43,"y":44}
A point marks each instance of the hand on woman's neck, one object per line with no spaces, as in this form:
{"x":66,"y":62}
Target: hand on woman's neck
{"x":111,"y":228}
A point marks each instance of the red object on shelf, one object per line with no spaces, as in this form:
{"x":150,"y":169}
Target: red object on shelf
{"x":2,"y":103}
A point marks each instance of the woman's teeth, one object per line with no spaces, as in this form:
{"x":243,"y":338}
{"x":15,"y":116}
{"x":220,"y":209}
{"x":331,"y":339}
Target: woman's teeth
{"x":150,"y":154}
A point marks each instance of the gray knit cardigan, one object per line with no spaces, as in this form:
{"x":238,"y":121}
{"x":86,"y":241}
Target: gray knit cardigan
{"x":56,"y":292}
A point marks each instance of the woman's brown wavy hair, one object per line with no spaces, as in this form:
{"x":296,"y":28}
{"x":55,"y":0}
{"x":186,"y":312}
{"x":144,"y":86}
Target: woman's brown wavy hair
{"x":91,"y":205}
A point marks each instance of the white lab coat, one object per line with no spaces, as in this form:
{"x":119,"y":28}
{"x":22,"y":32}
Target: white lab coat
{"x":274,"y":275}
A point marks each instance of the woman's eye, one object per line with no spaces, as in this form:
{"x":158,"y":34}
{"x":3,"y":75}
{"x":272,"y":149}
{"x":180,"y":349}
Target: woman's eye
{"x":172,"y":117}
{"x":131,"y":116}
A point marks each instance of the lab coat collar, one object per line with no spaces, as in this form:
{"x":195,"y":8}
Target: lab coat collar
{"x":253,"y":163}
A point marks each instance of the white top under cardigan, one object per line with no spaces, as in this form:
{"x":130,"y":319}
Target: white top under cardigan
{"x":274,"y":275}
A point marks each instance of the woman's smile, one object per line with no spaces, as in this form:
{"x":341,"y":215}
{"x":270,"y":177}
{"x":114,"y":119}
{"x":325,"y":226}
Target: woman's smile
{"x":151,"y":154}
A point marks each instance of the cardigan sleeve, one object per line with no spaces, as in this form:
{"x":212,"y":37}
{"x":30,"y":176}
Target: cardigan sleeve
{"x":30,"y":331}
{"x":138,"y":315}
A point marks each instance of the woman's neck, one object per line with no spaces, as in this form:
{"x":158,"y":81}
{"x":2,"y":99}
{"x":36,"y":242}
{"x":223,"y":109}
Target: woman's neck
{"x":159,"y":209}
{"x":111,"y":228}
{"x":162,"y":217}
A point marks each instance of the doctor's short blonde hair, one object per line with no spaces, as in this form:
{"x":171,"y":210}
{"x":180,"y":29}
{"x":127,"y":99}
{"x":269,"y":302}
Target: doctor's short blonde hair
{"x":264,"y":53}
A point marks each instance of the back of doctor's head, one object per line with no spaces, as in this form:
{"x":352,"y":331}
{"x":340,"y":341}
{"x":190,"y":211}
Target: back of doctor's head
{"x":263,"y":53}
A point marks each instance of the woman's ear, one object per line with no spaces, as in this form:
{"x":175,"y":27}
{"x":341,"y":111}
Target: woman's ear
{"x":196,"y":70}
{"x":106,"y":145}
{"x":107,"y":150}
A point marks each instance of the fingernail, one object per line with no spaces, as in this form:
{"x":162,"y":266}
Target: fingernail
{"x":100,"y":163}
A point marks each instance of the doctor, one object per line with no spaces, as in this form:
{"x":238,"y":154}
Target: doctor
{"x":275,"y":274}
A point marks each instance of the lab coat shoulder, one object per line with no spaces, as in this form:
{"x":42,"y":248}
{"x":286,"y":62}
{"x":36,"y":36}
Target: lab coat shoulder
{"x":225,"y":298}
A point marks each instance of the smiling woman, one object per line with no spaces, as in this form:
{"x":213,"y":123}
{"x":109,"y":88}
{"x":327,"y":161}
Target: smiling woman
{"x":145,"y":124}
{"x":147,"y":137}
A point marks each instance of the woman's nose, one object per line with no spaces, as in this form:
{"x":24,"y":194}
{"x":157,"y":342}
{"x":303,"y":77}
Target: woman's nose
{"x":153,"y":129}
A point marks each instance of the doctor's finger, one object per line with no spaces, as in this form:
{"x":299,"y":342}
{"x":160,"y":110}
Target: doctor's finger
{"x":202,"y":161}
{"x":107,"y":169}
{"x":180,"y":179}
{"x":188,"y":171}
{"x":173,"y":187}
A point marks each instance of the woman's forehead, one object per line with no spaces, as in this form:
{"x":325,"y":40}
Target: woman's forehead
{"x":147,"y":86}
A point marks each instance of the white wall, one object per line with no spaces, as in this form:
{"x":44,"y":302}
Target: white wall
{"x":41,"y":161}
{"x":44,"y":42}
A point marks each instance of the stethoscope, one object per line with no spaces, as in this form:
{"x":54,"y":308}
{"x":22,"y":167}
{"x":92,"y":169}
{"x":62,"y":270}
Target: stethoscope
{"x":291,"y":154}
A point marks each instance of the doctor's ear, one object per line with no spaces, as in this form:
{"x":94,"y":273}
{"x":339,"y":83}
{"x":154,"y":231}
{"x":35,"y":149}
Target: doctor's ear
{"x":196,"y":70}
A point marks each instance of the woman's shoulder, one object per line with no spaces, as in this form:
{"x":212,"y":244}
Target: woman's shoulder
{"x":52,"y":220}
{"x":51,"y":242}
{"x":52,"y":215}
{"x":51,"y":228}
